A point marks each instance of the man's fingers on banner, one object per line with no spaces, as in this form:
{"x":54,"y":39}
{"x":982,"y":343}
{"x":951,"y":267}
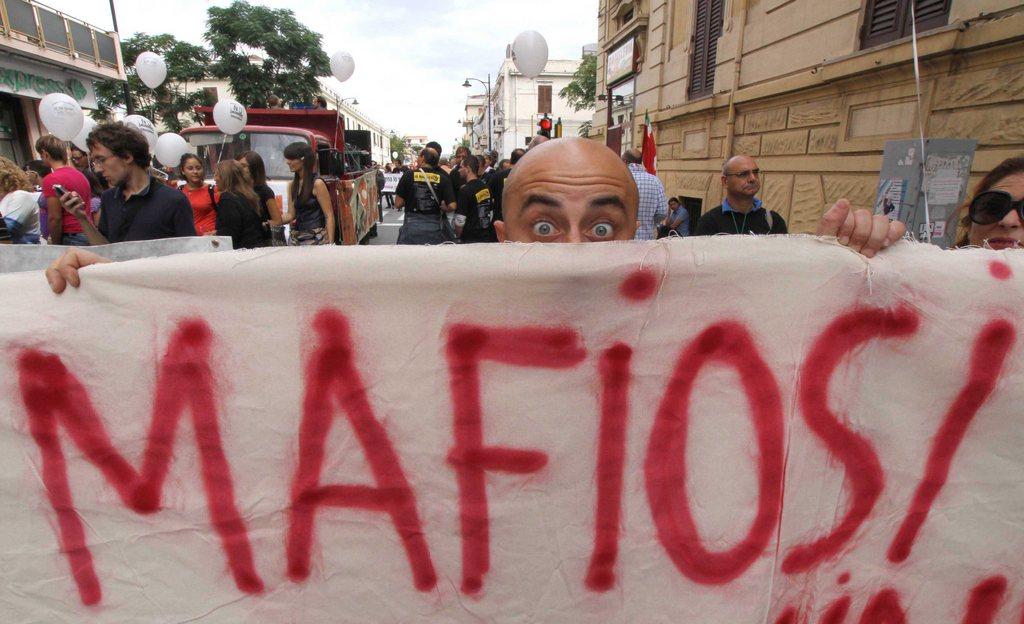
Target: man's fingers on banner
{"x":879,"y":232}
{"x":833,"y":220}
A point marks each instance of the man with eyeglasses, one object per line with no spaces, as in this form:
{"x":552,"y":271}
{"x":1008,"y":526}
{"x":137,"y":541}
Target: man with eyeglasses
{"x":137,"y":207}
{"x":741,"y":212}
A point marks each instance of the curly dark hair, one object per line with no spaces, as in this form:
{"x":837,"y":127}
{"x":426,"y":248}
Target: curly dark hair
{"x":123,"y":141}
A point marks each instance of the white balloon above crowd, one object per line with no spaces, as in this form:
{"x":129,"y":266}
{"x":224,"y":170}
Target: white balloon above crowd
{"x":230,"y":116}
{"x":170,"y":147}
{"x":342,"y":65}
{"x":151,"y":69}
{"x":530,"y":53}
{"x":61,"y":115}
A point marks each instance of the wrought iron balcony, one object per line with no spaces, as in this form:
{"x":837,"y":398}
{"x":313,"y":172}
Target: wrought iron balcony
{"x":57,"y":35}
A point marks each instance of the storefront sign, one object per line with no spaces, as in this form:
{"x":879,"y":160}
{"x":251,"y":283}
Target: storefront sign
{"x":32,"y":80}
{"x":621,"y":61}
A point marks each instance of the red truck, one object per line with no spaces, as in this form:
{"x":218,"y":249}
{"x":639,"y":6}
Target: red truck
{"x":343,"y":159}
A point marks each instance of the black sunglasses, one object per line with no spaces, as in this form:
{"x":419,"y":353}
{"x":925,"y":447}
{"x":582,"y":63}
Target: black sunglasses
{"x":991,"y":206}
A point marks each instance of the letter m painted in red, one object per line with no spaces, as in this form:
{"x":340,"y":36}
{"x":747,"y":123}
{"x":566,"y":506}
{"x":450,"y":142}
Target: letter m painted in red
{"x":54,"y":397}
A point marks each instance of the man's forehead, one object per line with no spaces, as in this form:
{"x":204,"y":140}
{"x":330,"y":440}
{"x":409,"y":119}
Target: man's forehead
{"x":740,"y":163}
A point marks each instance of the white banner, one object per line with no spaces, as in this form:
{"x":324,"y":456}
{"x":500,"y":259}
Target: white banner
{"x":391,"y":181}
{"x":15,"y":258}
{"x":728,"y":430}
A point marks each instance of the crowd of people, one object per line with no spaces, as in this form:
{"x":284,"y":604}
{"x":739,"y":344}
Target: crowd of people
{"x":566,"y":190}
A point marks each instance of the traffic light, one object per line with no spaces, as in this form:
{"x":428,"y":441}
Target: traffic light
{"x":545,"y":126}
{"x":558,"y":128}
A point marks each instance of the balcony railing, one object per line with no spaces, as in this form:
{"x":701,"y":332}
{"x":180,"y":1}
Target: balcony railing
{"x":50,"y":29}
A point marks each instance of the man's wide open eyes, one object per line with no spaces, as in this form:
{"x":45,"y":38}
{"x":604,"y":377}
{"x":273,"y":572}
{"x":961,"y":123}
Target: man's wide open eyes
{"x":602,"y":230}
{"x":543,"y":228}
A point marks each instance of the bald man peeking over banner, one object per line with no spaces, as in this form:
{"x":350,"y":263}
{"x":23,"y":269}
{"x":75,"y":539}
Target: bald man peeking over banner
{"x":575,"y":190}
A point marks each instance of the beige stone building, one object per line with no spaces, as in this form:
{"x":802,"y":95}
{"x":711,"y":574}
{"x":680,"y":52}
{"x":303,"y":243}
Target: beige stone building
{"x":811,"y":88}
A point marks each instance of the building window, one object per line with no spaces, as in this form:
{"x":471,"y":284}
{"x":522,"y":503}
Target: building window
{"x":544,"y":99}
{"x":707,"y":28}
{"x":889,"y":20}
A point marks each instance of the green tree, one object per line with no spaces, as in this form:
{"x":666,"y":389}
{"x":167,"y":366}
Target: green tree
{"x":290,"y":55}
{"x":398,"y":145}
{"x":172,"y":102}
{"x":581,"y":92}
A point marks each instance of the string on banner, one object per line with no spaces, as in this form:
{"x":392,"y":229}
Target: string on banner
{"x":920,"y":122}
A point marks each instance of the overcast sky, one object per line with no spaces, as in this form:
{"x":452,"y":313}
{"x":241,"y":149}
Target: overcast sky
{"x":411,"y":57}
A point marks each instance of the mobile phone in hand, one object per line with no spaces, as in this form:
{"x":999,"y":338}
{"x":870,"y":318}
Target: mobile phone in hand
{"x":59,"y":190}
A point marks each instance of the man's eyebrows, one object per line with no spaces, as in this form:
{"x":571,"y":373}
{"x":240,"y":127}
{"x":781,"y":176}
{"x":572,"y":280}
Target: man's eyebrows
{"x":601,"y":201}
{"x":607,"y":201}
{"x":544,"y":200}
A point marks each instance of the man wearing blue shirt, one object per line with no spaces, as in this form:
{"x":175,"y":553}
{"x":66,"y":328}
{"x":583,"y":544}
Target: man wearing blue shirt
{"x":741,"y":212}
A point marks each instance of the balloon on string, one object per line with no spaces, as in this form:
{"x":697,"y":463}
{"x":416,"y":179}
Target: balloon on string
{"x":151,"y":69}
{"x":144,"y":126}
{"x":61,"y":115}
{"x":230,"y":116}
{"x":342,"y":65}
{"x":530,"y":53}
{"x":80,"y":139}
{"x":170,"y":147}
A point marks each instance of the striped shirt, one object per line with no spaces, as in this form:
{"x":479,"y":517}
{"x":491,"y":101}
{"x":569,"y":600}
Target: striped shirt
{"x":652,"y":201}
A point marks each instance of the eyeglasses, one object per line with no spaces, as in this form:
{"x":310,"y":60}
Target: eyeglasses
{"x":744,"y":174}
{"x":991,"y":206}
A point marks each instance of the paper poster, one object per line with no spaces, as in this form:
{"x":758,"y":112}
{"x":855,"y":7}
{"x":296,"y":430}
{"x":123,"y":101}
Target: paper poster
{"x":517,"y":433}
{"x":891,"y":198}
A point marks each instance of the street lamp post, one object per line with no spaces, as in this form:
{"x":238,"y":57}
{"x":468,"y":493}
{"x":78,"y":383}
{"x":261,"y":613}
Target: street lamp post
{"x":124,"y":85}
{"x":487,"y":84}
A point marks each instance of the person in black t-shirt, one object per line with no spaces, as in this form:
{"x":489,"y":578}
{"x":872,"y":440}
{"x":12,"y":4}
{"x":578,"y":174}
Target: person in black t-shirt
{"x":457,"y":180}
{"x":741,"y":212}
{"x":426,"y":194}
{"x":138,"y":207}
{"x":269,"y":207}
{"x":237,"y":214}
{"x":474,"y":216}
{"x":497,"y":182}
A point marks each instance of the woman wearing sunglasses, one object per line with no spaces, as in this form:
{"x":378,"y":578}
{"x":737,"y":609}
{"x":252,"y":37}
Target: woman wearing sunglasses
{"x":995,"y":217}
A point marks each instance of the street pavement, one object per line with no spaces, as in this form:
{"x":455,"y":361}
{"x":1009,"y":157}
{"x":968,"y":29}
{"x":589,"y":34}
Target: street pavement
{"x":387,"y":232}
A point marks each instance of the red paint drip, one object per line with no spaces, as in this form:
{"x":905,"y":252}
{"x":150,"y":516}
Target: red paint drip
{"x":1000,"y":270}
{"x":986,"y":598}
{"x":836,"y":612}
{"x":844,"y":578}
{"x":884,"y":608}
{"x":54,"y":397}
{"x":731,"y":344}
{"x":864,"y":474}
{"x":640,"y":285}
{"x":332,"y":380}
{"x":788,"y":616}
{"x":468,"y":346}
{"x":990,"y":351}
{"x":611,"y":460}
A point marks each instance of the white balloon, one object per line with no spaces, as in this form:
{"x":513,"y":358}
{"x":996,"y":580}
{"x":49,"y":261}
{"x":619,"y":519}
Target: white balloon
{"x":394,"y":154}
{"x":144,"y":126}
{"x":342,"y":65}
{"x":151,"y":68}
{"x":80,"y":139}
{"x":230,"y":116}
{"x":530,"y":53}
{"x":61,"y":115}
{"x":170,"y":147}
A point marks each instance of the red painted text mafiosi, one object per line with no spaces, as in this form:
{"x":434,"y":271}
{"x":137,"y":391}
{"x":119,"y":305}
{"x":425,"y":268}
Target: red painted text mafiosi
{"x":55,"y":399}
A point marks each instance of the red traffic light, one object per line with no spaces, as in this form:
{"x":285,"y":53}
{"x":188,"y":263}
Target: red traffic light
{"x":545,"y":124}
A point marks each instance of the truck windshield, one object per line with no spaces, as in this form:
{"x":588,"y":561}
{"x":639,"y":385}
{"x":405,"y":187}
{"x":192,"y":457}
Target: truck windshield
{"x":212,"y":147}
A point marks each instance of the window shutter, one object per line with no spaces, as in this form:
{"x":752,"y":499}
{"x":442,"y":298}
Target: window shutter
{"x":889,"y":20}
{"x":544,"y":99}
{"x":707,"y":28}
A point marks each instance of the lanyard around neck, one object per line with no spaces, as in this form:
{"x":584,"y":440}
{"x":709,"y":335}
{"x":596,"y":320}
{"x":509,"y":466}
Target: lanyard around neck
{"x":739,"y":229}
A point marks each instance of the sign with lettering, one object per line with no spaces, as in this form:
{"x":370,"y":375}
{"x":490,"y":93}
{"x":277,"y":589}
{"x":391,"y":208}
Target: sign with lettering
{"x":730,"y":430}
{"x":621,"y":61}
{"x":21,"y":77}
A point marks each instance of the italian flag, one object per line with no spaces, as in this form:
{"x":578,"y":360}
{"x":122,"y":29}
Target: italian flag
{"x":650,"y":148}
